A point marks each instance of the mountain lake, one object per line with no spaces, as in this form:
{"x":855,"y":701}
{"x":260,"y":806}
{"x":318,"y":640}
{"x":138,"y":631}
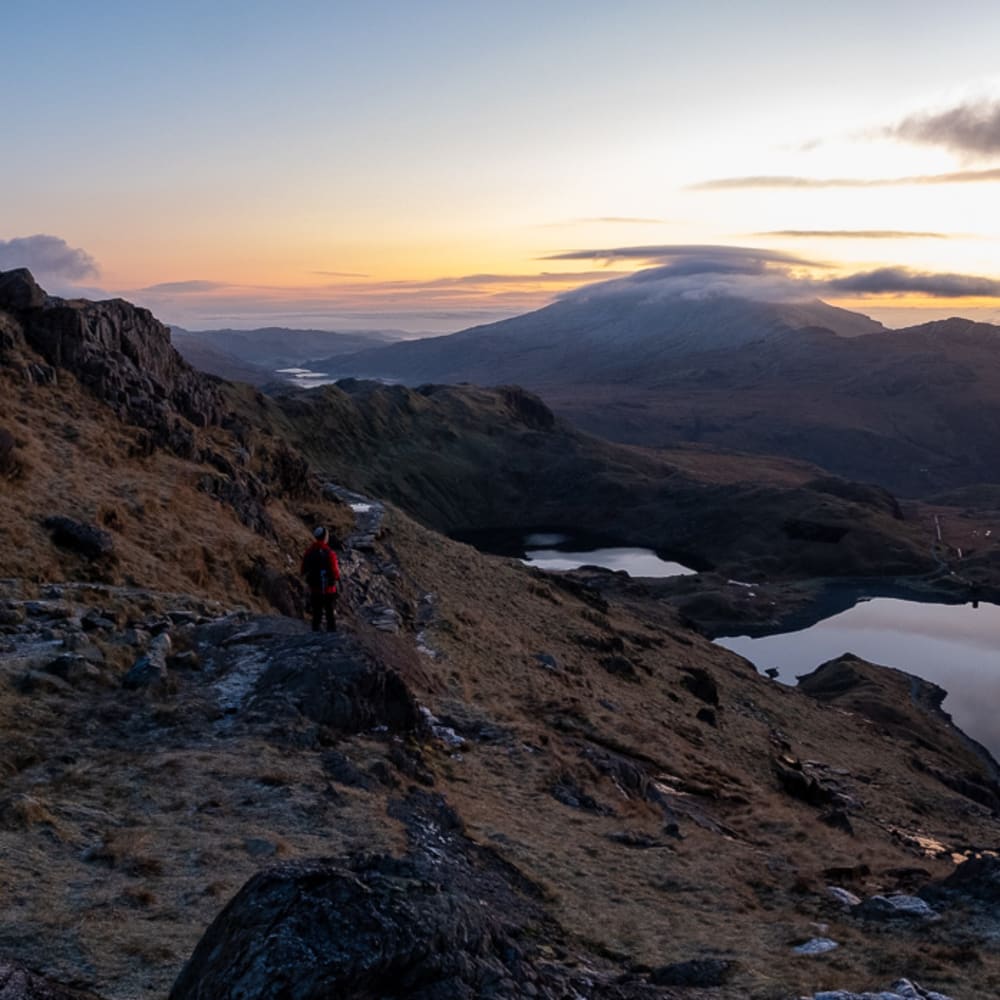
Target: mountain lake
{"x":952,"y":645}
{"x":560,"y":552}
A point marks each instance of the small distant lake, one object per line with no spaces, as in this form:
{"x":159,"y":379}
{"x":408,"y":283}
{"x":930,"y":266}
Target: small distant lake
{"x":635,"y":562}
{"x":304,"y":377}
{"x":953,"y":645}
{"x":561,"y":551}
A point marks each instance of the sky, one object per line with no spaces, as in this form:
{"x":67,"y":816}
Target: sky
{"x":427,"y":165}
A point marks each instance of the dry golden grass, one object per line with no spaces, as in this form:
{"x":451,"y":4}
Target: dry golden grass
{"x":128,"y":819}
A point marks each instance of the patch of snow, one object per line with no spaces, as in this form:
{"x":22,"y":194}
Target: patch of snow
{"x":816,"y":946}
{"x":361,"y":508}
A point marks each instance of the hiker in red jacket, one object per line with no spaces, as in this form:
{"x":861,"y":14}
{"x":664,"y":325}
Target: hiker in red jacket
{"x":322,"y":571}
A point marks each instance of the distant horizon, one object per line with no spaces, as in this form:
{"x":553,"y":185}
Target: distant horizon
{"x":892,"y":317}
{"x":438,"y":166}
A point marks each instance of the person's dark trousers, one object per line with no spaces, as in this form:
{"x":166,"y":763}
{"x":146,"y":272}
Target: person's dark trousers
{"x":324,"y":604}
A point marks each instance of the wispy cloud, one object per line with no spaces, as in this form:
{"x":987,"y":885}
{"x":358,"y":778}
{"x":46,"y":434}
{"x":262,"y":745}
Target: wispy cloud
{"x":338,"y":274}
{"x":47,"y":257}
{"x":903,"y":281}
{"x":701,"y":253}
{"x":192,"y":287}
{"x":858,"y":234}
{"x":808,"y":183}
{"x":971,"y":129}
{"x":610,"y":220}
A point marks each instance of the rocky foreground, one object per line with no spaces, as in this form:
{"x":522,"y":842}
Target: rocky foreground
{"x":489,"y":782}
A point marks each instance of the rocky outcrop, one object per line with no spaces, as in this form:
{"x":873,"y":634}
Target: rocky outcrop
{"x":119,"y":352}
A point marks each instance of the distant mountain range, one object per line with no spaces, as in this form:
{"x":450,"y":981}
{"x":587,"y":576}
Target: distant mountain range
{"x":254,"y":355}
{"x":916,"y":410}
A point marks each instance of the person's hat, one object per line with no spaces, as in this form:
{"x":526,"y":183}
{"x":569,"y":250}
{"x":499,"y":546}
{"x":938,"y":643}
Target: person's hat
{"x":320,"y":532}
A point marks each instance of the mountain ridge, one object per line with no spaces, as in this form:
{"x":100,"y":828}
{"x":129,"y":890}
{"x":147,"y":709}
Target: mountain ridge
{"x":653,"y":819}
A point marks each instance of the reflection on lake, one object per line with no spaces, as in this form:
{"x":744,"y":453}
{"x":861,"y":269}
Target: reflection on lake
{"x":953,"y":645}
{"x":635,"y":562}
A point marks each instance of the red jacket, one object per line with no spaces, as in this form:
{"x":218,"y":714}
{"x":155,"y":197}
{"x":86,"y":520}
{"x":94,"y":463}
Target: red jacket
{"x":312,"y":566}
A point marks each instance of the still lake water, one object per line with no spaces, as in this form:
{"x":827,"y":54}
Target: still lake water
{"x":541,"y":551}
{"x":954,"y":645}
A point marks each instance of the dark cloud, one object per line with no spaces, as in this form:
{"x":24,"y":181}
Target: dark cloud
{"x":901,"y":280}
{"x":47,"y":257}
{"x":859,"y":234}
{"x":184,"y":287}
{"x":972,"y":129}
{"x":793,"y":182}
{"x":714,"y":257}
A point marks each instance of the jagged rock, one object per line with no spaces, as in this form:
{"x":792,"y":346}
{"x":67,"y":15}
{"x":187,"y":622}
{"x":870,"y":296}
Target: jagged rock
{"x":19,"y":290}
{"x":151,"y":667}
{"x":18,"y":983}
{"x":87,"y":539}
{"x":123,"y":355}
{"x":696,"y":972}
{"x":900,"y":907}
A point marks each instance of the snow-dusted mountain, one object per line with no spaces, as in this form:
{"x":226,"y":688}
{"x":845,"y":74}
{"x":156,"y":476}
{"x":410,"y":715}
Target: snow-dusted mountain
{"x":622,"y":330}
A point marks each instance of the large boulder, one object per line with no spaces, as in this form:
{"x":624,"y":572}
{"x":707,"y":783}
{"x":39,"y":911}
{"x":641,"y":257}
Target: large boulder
{"x":314,"y":930}
{"x":449,"y":921}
